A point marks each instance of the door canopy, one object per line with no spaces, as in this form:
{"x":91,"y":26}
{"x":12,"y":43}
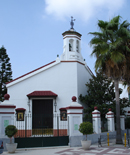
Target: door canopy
{"x":42,"y":94}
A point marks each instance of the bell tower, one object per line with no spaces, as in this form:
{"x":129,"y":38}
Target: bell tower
{"x":71,"y":45}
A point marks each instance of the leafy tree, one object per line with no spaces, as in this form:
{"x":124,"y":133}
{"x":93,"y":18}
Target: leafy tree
{"x":127,"y":122}
{"x":10,"y":131}
{"x":111,"y":48}
{"x":86,"y":128}
{"x":100,"y":93}
{"x":5,"y":72}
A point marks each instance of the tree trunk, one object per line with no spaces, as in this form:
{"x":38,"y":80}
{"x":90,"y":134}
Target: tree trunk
{"x":118,"y":126}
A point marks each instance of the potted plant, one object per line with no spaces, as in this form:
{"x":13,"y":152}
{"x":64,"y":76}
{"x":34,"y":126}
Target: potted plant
{"x":10,"y":131}
{"x":86,"y":128}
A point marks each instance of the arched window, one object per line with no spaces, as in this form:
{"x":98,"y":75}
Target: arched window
{"x":71,"y":44}
{"x":77,"y":46}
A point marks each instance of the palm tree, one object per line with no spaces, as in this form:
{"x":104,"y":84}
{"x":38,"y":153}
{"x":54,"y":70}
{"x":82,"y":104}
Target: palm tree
{"x":126,"y":79}
{"x":111,"y":48}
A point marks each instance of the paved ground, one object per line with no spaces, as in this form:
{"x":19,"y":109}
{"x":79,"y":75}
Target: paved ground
{"x":94,"y":150}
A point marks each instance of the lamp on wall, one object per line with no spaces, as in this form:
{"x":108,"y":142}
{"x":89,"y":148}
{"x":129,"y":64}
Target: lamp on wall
{"x":55,"y":104}
{"x":29,"y":104}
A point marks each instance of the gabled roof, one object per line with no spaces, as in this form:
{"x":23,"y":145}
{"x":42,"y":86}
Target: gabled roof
{"x":38,"y":70}
{"x":42,"y":94}
{"x":31,"y":72}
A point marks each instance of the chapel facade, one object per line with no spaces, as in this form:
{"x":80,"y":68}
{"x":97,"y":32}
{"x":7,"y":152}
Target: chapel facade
{"x":48,"y":90}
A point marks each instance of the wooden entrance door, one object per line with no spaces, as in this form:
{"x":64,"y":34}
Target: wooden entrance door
{"x":42,"y":116}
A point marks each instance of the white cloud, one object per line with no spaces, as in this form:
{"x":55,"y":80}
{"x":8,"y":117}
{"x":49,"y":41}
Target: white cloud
{"x":84,"y":9}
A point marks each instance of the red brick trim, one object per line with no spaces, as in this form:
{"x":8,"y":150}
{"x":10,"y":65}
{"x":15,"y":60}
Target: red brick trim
{"x":74,"y":107}
{"x":81,"y":64}
{"x":90,"y":71}
{"x":42,"y":94}
{"x":56,"y":132}
{"x":31,"y":72}
{"x":110,"y":114}
{"x":6,"y":112}
{"x":96,"y":117}
{"x":8,"y":106}
{"x":21,"y":133}
{"x":74,"y":61}
{"x":20,"y":109}
{"x":62,"y":109}
{"x":95,"y":112}
{"x":62,"y":132}
{"x":74,"y":113}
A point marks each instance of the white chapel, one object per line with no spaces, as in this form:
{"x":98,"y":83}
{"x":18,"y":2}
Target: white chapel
{"x":58,"y":80}
{"x":48,"y":90}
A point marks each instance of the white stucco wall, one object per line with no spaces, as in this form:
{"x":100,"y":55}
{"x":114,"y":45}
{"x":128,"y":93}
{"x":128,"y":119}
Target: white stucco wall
{"x":66,"y":79}
{"x":83,"y":77}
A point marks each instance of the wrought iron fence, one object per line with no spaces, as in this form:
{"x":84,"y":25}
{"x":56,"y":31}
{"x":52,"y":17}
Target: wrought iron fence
{"x":41,"y":125}
{"x":104,"y":124}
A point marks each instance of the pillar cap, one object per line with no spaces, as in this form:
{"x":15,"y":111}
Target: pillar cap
{"x":74,"y":98}
{"x":6,"y":96}
{"x":110,"y":112}
{"x":6,"y":101}
{"x":74,"y":104}
{"x":95,"y":108}
{"x":95,"y":111}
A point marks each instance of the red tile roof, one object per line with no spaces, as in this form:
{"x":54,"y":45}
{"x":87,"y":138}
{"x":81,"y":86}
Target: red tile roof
{"x":42,"y":94}
{"x":20,"y":109}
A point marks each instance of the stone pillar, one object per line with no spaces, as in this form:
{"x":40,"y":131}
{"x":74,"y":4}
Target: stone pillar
{"x":7,"y":111}
{"x":74,"y":112}
{"x":110,"y":121}
{"x":96,"y":121}
{"x":122,"y":122}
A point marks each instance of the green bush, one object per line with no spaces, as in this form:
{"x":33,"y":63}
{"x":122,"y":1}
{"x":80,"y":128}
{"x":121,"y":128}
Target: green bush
{"x":86,"y":128}
{"x":10,"y":131}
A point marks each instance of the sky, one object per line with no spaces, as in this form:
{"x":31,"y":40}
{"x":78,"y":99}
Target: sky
{"x":31,"y":30}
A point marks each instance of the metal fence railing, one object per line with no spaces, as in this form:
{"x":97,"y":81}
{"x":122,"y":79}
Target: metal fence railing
{"x":41,"y":125}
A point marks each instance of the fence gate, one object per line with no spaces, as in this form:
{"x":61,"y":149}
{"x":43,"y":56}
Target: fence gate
{"x":41,"y":131}
{"x":104,"y":125}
